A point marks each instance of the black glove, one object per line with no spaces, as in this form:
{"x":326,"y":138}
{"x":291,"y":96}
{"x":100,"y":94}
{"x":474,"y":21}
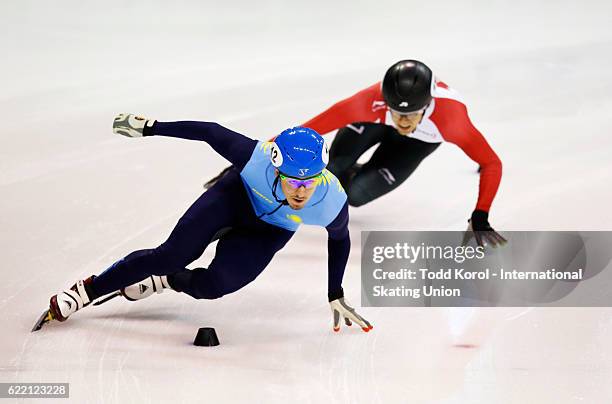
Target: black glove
{"x":482,"y":230}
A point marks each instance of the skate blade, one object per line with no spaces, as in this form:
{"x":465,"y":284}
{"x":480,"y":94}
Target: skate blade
{"x":42,"y":320}
{"x":106,"y":299}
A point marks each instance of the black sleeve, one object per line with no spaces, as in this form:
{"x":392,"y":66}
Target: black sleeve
{"x":338,"y":249}
{"x":233,"y":146}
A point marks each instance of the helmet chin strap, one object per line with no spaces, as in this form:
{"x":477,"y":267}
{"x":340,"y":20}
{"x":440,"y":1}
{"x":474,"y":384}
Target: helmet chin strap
{"x":274,"y":186}
{"x":281,"y":202}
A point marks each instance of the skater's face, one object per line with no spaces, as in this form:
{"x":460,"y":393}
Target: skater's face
{"x":406,"y":123}
{"x":297,"y":192}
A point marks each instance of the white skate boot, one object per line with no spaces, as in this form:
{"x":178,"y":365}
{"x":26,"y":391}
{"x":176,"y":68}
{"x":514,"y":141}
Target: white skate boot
{"x":131,"y":125}
{"x":146,"y":287}
{"x":68,"y":302}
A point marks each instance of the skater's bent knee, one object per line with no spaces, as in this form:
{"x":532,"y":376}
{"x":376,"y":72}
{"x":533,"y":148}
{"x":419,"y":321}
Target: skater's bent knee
{"x":357,"y":196}
{"x":208,"y":292}
{"x":206,"y":295}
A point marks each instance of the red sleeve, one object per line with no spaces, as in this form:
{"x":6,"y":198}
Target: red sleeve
{"x":454,"y":124}
{"x":357,"y":108}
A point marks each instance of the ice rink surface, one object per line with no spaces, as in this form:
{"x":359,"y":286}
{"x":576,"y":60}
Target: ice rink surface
{"x":74,"y":197}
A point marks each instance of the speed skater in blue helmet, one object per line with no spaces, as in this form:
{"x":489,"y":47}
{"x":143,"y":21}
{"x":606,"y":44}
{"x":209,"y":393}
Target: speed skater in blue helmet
{"x":243,"y":211}
{"x":299,"y":155}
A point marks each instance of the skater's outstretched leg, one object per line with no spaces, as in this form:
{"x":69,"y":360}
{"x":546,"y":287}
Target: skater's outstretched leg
{"x":217,"y":209}
{"x":154,"y":283}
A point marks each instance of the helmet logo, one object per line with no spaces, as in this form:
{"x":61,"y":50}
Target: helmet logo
{"x":303,"y":171}
{"x":276,"y":157}
{"x":403,"y":104}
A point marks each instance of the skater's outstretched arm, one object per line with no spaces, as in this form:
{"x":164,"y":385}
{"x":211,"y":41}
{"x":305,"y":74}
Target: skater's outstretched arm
{"x":339,"y":246}
{"x":338,"y":249}
{"x":233,"y":146}
{"x":357,"y":108}
{"x":456,"y":127}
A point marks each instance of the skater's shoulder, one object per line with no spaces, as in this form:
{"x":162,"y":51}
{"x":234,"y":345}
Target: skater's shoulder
{"x":329,"y":180}
{"x":442,"y":91}
{"x":330,"y":192}
{"x":368,"y":94}
{"x":263,"y":149}
{"x":261,"y":154}
{"x":449,"y":107}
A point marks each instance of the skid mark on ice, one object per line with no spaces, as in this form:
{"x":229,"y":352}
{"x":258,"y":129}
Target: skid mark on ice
{"x":521,"y":314}
{"x":17,"y":360}
{"x":20,"y":285}
{"x":346,"y":365}
{"x":102,"y":390}
{"x":108,"y":252}
{"x":51,"y":166}
{"x":459,"y":318}
{"x":372,"y":379}
{"x":466,"y":346}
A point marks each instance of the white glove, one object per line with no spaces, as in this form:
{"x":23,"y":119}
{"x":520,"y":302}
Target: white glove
{"x":340,"y":308}
{"x":131,"y":125}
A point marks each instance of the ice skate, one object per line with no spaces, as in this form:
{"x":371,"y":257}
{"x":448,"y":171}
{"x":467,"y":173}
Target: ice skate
{"x":145,"y":288}
{"x":68,"y":302}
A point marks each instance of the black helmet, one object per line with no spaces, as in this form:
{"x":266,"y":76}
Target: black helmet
{"x":407,"y":86}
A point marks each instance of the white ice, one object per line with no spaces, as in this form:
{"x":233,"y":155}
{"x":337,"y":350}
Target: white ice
{"x":74,"y":197}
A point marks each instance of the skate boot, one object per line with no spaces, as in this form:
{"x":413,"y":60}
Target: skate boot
{"x":66,"y":303}
{"x":131,"y":125}
{"x":146,"y":287}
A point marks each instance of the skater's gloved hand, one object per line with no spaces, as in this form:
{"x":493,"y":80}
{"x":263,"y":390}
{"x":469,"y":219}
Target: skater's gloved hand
{"x":131,"y":125}
{"x":341,"y":309}
{"x":479,"y":227}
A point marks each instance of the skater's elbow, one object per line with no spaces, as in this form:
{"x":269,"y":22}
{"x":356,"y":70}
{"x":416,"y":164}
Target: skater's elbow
{"x":494,"y":164}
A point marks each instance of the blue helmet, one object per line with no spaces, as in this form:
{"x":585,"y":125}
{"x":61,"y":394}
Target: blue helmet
{"x":299,"y":152}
